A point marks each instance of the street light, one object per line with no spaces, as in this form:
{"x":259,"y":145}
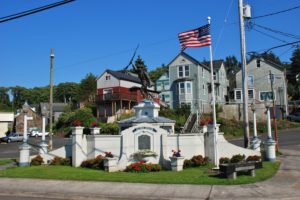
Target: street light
{"x":270,"y":143}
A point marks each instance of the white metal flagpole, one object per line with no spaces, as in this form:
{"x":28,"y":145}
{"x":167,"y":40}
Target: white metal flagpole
{"x":213,"y":99}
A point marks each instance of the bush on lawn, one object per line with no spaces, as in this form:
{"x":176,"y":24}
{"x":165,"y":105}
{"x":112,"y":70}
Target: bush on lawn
{"x":196,"y":161}
{"x":96,"y":163}
{"x":61,"y":161}
{"x":38,"y":160}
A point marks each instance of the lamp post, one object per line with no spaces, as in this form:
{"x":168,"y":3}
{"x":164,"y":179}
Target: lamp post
{"x":24,"y":147}
{"x":43,"y":144}
{"x":255,"y":142}
{"x":270,"y":143}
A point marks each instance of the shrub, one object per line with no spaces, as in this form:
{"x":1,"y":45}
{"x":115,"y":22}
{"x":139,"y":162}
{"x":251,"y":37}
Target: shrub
{"x":142,"y":167}
{"x":176,"y":153}
{"x":38,"y":160}
{"x":199,"y":161}
{"x":196,"y":161}
{"x":61,"y":161}
{"x":109,"y":129}
{"x":96,"y":163}
{"x":187,"y":164}
{"x":253,"y":158}
{"x":224,"y":160}
{"x":237,"y":158}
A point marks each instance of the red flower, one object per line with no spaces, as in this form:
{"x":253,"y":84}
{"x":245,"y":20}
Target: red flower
{"x":94,"y":124}
{"x":77,"y":122}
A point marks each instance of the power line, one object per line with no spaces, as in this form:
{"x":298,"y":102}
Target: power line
{"x":278,"y":32}
{"x":266,"y":34}
{"x":32,"y":11}
{"x":275,"y":13}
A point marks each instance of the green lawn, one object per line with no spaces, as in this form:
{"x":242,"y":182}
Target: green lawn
{"x":6,"y":161}
{"x":200,"y":175}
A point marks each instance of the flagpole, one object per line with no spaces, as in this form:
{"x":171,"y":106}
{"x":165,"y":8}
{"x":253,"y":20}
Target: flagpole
{"x":213,"y":99}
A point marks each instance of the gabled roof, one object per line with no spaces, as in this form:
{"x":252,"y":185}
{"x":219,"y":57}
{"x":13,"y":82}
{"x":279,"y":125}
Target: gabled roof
{"x":188,"y":57}
{"x":123,"y":75}
{"x":280,"y":67}
{"x":216,"y":64}
{"x":57,"y":107}
{"x":146,"y":120}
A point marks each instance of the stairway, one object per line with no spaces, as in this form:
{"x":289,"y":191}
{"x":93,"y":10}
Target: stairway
{"x":190,"y":123}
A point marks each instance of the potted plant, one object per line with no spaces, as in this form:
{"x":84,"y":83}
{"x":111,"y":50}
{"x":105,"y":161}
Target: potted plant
{"x":256,"y":160}
{"x":110,"y":162}
{"x":145,"y":155}
{"x":94,"y":128}
{"x":176,"y":161}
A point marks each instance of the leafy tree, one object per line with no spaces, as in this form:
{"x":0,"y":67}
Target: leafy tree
{"x":232,"y":67}
{"x":294,"y":75}
{"x":88,"y":88}
{"x":155,"y":74}
{"x":20,"y":95}
{"x":5,"y":104}
{"x":66,"y":92}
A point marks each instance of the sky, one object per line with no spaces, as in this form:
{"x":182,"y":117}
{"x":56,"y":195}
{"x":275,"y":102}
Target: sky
{"x":90,"y":36}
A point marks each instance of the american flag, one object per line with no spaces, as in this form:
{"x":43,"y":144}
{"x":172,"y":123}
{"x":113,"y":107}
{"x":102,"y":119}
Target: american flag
{"x":199,"y":37}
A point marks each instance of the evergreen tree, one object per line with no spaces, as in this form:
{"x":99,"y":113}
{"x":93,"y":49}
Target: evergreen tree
{"x":294,"y":75}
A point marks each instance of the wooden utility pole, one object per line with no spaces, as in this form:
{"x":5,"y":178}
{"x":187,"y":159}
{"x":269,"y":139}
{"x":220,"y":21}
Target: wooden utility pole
{"x":51,"y":100}
{"x":272,"y":79}
{"x":244,"y":75}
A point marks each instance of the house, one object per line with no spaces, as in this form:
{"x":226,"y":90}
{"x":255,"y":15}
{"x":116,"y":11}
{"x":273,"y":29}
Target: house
{"x":263,"y":75}
{"x":31,"y":112}
{"x":6,"y":122}
{"x":118,"y":91}
{"x":163,"y":86}
{"x":57,"y":109}
{"x":190,"y":83}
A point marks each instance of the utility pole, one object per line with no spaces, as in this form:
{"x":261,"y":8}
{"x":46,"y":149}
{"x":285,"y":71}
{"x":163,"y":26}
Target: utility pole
{"x":51,"y":100}
{"x":244,"y":75}
{"x":272,"y":78}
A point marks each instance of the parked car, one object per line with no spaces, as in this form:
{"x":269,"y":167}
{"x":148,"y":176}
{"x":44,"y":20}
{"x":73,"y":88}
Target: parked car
{"x":36,"y":133}
{"x":13,"y":137}
{"x":294,"y":117}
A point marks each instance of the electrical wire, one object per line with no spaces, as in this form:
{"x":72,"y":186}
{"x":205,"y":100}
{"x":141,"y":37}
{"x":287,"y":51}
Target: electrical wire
{"x":32,"y":11}
{"x":223,"y":27}
{"x":268,"y":35}
{"x":275,"y":13}
{"x":278,"y":32}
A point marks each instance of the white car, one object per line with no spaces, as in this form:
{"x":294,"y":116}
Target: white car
{"x":35,"y":133}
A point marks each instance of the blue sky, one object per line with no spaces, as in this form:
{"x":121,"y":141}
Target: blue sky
{"x":89,"y":36}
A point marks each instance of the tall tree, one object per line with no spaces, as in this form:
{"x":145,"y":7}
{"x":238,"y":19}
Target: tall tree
{"x":88,"y":88}
{"x":294,"y":75}
{"x":66,"y":92}
{"x":156,"y":73}
{"x":232,"y":67}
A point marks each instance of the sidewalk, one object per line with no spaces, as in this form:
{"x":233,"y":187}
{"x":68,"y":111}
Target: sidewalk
{"x":284,"y":185}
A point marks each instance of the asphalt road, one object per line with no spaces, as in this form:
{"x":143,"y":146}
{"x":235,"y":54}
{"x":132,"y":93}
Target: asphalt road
{"x":11,"y":150}
{"x":289,"y":137}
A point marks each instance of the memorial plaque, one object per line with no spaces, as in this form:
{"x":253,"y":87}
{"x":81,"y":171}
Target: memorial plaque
{"x":144,"y":142}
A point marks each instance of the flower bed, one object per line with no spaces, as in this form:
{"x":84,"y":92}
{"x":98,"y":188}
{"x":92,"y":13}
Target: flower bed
{"x":142,"y":167}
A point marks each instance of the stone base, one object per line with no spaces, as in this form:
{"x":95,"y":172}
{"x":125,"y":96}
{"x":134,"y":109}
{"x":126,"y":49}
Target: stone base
{"x":177,"y":163}
{"x":270,"y":150}
{"x":24,"y":155}
{"x":43,"y":148}
{"x":110,"y":164}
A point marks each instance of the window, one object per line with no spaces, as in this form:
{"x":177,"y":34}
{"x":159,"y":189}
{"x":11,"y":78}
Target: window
{"x":180,"y":71}
{"x":181,"y":88}
{"x":251,"y":94}
{"x":183,"y":71}
{"x":107,"y":77}
{"x":187,"y":70}
{"x":271,"y":77}
{"x":185,"y":87}
{"x":251,"y":81}
{"x":204,"y":90}
{"x":238,"y":94}
{"x":186,"y":104}
{"x":266,"y":95}
{"x":107,"y":93}
{"x":202,"y":72}
{"x":215,"y":76}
